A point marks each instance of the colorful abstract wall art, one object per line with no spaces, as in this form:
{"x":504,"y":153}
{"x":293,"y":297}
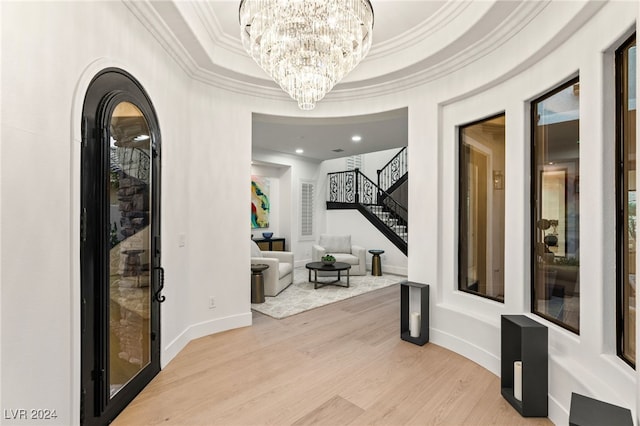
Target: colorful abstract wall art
{"x":260,"y":204}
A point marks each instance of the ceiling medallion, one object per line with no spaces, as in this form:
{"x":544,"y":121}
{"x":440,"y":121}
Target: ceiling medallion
{"x":306,"y":46}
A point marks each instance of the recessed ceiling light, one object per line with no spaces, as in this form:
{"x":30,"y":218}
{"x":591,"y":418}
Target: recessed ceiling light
{"x":140,"y":138}
{"x":356,"y":138}
{"x":299,"y":151}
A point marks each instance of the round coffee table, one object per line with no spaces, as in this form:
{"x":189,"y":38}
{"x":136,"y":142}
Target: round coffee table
{"x":336,"y":267}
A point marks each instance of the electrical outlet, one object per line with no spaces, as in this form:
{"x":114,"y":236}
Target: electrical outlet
{"x":182,"y":239}
{"x":212,"y":302}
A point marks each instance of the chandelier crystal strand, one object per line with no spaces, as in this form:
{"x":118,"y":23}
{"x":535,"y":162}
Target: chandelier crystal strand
{"x":306,"y":46}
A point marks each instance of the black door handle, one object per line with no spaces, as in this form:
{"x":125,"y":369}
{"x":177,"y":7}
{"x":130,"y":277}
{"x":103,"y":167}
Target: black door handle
{"x":157,"y":296}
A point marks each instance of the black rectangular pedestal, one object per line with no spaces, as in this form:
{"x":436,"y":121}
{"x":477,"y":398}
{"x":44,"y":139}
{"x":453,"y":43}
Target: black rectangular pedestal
{"x":424,"y":312}
{"x":526,"y":340}
{"x":587,"y":411}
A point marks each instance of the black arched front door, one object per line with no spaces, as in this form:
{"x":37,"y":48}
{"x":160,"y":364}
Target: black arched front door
{"x":121,"y":274}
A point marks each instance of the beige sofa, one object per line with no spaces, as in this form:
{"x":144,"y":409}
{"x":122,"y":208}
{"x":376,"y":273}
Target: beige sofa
{"x":279,"y":275}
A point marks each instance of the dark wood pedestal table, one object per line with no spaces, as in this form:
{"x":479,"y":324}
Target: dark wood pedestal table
{"x":376,"y":264}
{"x":336,"y":267}
{"x":257,"y":282}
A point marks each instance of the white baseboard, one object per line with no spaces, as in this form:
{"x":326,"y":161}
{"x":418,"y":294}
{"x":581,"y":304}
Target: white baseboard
{"x":203,"y":329}
{"x":395,"y":270}
{"x":558,"y":414}
{"x":468,"y":350}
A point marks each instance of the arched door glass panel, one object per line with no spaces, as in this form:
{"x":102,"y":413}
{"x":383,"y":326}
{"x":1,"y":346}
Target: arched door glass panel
{"x":120,"y":252}
{"x":130,"y":240}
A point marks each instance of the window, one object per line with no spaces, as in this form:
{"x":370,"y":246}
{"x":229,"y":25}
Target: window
{"x":626,"y":198}
{"x":555,"y":224}
{"x":481,"y":201}
{"x":355,"y":162}
{"x":306,"y":209}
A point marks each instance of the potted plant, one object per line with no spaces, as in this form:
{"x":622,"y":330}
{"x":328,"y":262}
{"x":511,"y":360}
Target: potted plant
{"x":328,"y":259}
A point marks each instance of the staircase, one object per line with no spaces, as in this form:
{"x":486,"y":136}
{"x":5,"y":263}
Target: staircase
{"x":353,"y":190}
{"x":394,"y":174}
{"x":398,"y":227}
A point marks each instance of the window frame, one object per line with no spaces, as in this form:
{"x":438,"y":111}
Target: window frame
{"x":533,"y":200}
{"x":620,"y":180}
{"x":461,"y":176}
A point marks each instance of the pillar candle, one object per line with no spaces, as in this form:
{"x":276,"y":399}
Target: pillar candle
{"x":414,"y":324}
{"x":517,"y":380}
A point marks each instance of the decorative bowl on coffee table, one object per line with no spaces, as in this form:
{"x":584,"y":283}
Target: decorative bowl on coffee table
{"x":328,"y":259}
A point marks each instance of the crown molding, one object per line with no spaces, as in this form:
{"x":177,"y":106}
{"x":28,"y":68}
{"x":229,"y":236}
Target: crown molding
{"x":151,"y":20}
{"x":408,"y":39}
{"x":423,"y":72}
{"x":212,"y":24}
{"x":208,"y":33}
{"x":548,"y":42}
{"x":216,"y":76}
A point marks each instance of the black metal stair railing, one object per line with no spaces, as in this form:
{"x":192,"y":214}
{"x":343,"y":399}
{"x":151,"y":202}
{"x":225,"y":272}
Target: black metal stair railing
{"x":353,"y":190}
{"x":394,"y":171}
{"x":352,"y":187}
{"x":135,"y":162}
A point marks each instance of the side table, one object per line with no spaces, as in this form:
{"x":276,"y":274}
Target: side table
{"x":376,"y":263}
{"x":257,"y":282}
{"x":270,"y":244}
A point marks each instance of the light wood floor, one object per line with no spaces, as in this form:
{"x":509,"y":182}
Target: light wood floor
{"x":342,"y":364}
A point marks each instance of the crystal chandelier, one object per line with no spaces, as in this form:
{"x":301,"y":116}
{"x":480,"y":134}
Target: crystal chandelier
{"x":306,"y":46}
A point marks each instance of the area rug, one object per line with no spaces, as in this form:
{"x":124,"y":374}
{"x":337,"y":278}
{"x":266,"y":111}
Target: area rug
{"x":300,"y":296}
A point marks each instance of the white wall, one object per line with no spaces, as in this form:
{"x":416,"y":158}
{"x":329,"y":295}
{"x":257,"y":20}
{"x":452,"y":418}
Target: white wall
{"x":470,"y":325}
{"x":49,"y":51}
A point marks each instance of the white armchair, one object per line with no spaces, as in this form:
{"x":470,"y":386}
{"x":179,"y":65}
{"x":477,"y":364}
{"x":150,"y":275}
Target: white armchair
{"x":341,"y":248}
{"x":279,"y":275}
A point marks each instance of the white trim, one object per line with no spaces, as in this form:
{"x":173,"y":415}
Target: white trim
{"x":406,"y":78}
{"x":201,"y":329}
{"x":391,"y":269}
{"x":465,"y":348}
{"x":556,"y":410}
{"x":1,"y":210}
{"x":84,"y":80}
